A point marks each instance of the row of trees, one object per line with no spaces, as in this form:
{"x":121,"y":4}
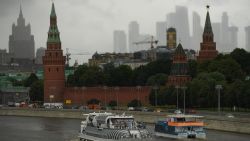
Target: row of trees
{"x":230,"y":71}
{"x":120,"y":76}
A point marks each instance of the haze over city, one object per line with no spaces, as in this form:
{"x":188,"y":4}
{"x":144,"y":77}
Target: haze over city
{"x":88,"y":25}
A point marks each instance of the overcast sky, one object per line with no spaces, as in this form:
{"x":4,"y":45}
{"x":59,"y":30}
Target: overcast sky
{"x":88,"y":25}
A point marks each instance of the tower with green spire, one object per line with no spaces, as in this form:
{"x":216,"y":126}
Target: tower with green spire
{"x":208,"y":46}
{"x":54,"y":64}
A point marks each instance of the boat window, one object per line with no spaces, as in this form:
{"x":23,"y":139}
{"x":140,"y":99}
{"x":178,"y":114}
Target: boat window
{"x":180,"y":119}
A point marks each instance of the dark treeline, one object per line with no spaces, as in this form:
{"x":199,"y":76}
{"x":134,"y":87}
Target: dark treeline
{"x":120,"y":76}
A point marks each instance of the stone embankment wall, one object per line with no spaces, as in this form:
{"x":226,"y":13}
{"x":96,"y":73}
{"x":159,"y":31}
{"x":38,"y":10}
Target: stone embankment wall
{"x":239,"y":125}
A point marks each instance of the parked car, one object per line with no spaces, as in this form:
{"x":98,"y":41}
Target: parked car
{"x":131,"y":108}
{"x":177,"y":111}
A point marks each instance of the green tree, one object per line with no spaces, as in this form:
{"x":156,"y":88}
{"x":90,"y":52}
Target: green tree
{"x":134,"y":103}
{"x":157,"y":79}
{"x":30,"y":80}
{"x":112,"y":104}
{"x":36,"y":91}
{"x":242,"y":57}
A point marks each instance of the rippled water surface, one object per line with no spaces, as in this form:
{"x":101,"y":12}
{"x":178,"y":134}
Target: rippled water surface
{"x":56,"y":129}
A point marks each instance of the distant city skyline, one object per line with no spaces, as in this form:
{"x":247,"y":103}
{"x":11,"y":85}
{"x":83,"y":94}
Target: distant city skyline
{"x":87,"y":26}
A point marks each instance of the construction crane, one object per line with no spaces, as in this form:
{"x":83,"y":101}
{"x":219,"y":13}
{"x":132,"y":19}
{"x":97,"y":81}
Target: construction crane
{"x":68,"y":54}
{"x":151,"y":42}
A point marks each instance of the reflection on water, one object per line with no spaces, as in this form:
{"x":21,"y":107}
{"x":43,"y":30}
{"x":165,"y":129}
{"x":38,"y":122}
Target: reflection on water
{"x":56,"y":129}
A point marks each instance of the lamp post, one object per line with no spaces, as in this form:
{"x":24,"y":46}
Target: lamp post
{"x":105,"y":96}
{"x":218,"y":88}
{"x":184,"y":99}
{"x":155,"y":89}
{"x":138,"y":97}
{"x":177,"y":97}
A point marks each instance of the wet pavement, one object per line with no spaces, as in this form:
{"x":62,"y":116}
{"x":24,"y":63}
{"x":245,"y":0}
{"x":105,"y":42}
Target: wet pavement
{"x":58,"y":129}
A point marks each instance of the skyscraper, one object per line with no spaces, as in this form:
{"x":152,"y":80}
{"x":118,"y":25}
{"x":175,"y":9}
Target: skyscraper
{"x":208,"y":46}
{"x":233,"y":37}
{"x":217,"y":34}
{"x":120,"y":41}
{"x":179,"y":21}
{"x":40,"y":52}
{"x":247,"y":30}
{"x":197,"y":31}
{"x":21,"y":42}
{"x":171,"y":38}
{"x":133,"y":35}
{"x":54,"y":64}
{"x":182,"y":26}
{"x":225,"y":33}
{"x":171,"y":20}
{"x":161,"y":28}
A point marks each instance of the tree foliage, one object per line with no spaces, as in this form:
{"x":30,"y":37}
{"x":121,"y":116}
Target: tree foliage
{"x":134,"y":103}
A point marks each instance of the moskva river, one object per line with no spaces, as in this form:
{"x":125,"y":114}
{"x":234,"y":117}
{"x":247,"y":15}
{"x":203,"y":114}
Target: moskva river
{"x":57,"y":129}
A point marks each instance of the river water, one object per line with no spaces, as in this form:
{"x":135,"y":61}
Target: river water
{"x":57,"y":129}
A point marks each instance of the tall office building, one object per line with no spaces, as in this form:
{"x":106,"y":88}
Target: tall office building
{"x":182,"y":26}
{"x":21,"y":42}
{"x":217,"y":35}
{"x":233,"y":37}
{"x":171,"y":19}
{"x":161,"y":28}
{"x":179,"y":20}
{"x":120,"y":41}
{"x":197,"y":31}
{"x":247,"y":30}
{"x":40,"y":52}
{"x":171,"y":38}
{"x":133,"y":34}
{"x":225,"y":33}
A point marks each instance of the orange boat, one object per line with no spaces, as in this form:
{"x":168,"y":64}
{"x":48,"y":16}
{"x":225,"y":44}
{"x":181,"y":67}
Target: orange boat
{"x":181,"y":126}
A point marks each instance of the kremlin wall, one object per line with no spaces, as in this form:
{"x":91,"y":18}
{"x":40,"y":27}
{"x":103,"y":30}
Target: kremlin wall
{"x":55,"y":90}
{"x":123,"y":95}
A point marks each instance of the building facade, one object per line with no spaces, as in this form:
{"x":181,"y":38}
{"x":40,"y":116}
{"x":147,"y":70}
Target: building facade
{"x":40,"y":52}
{"x":179,"y":75}
{"x":120,"y":41}
{"x":133,"y":35}
{"x":247,"y":30}
{"x":161,"y":28}
{"x":21,"y":42}
{"x":197,"y":31}
{"x":54,"y":64}
{"x":171,"y":38}
{"x":208,"y":46}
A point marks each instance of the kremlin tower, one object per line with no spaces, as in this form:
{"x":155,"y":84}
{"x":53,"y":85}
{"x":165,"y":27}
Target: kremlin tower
{"x":179,"y":74}
{"x":54,"y":64}
{"x":208,"y":46}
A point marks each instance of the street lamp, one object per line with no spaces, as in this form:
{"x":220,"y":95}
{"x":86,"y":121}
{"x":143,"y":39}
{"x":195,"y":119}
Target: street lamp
{"x":138,"y":97}
{"x":155,"y":88}
{"x":218,"y":88}
{"x":177,"y":99}
{"x":184,"y":99}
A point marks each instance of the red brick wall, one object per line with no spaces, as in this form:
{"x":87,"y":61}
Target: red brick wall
{"x":80,"y":96}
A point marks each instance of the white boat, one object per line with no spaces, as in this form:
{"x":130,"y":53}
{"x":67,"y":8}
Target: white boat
{"x":180,"y":126}
{"x":112,"y":127}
